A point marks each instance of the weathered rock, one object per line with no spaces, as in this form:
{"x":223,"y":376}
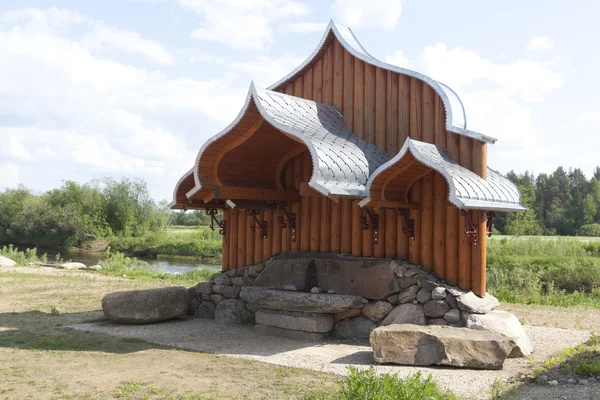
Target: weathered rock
{"x":452,"y":316}
{"x":370,"y":278}
{"x":436,"y":308}
{"x":205,"y":297}
{"x":439,"y":345}
{"x":240,"y":272}
{"x":217,"y":298}
{"x":217,"y":276}
{"x":358,"y":328}
{"x":408,"y":295}
{"x":206,"y":310}
{"x":437,"y":321}
{"x":192,"y":293}
{"x":242,"y":281}
{"x":231,"y":292}
{"x":73,"y":265}
{"x":6,"y":262}
{"x":451,"y":300}
{"x":205,"y":288}
{"x":218,"y":289}
{"x":423,"y":296}
{"x":406,"y":314}
{"x":407,"y":282}
{"x":316,"y":290}
{"x":295,"y":320}
{"x":194,"y":304}
{"x":255,"y":270}
{"x":232,"y":311}
{"x":146,"y":306}
{"x":350,"y":313}
{"x":438,"y":293}
{"x":393,"y":300}
{"x":222,"y":280}
{"x":472,"y":303}
{"x":505,"y":323}
{"x":429,"y":284}
{"x":253,"y":307}
{"x":231,"y":273}
{"x":404,"y":269}
{"x":377,"y":311}
{"x":300,"y":301}
{"x":290,"y":334}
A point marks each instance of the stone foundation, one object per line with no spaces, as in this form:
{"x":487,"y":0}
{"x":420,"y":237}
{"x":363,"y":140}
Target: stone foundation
{"x":345,"y":297}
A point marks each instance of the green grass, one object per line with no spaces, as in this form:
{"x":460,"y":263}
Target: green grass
{"x":367,"y":384}
{"x":582,"y":360}
{"x":22,"y":258}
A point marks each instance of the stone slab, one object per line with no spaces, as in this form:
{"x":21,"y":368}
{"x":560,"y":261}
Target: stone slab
{"x":300,"y":301}
{"x":295,"y":320}
{"x":371,"y":278}
{"x":290,"y":334}
{"x":146,"y":306}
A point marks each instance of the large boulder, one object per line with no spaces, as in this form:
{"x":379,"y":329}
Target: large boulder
{"x":73,"y":265}
{"x":377,"y":311}
{"x":233,"y":311}
{"x":206,"y":310}
{"x":406,"y":314}
{"x":371,"y":278}
{"x":146,"y":306}
{"x":409,"y":344}
{"x":472,"y":303}
{"x":6,"y":262}
{"x":300,"y":301}
{"x":295,"y":320}
{"x":358,"y":328}
{"x":505,"y":323}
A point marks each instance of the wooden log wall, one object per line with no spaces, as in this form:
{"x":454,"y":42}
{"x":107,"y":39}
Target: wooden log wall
{"x":384,"y":108}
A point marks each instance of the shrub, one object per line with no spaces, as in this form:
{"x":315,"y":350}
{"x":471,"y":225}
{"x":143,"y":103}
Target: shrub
{"x":590,"y":230}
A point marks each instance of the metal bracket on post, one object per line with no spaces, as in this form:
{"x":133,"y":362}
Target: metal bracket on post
{"x":212,"y":212}
{"x":490,"y":215}
{"x":471,"y":231}
{"x":256,"y":223}
{"x":291,"y":218}
{"x":373,"y":217}
{"x":408,"y":224}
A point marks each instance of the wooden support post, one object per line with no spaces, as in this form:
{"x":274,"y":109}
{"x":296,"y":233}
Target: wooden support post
{"x":427,"y":222}
{"x":359,"y":98}
{"x":414,"y":246}
{"x":267,"y":242}
{"x":369,"y":104}
{"x":325,"y":219}
{"x":464,"y":243}
{"x":440,"y":192}
{"x":390,"y":233}
{"x":305,"y":228}
{"x":315,"y":224}
{"x":225,"y":242}
{"x":250,"y":239}
{"x":241,"y":238}
{"x":336,"y":221}
{"x":346,"y":226}
{"x":232,"y":232}
{"x":478,"y":260}
{"x":258,"y":240}
{"x":357,"y":231}
{"x":379,"y":247}
{"x":452,"y":221}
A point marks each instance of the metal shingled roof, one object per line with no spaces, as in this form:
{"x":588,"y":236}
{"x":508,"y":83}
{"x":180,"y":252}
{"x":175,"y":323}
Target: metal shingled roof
{"x":467,"y":190}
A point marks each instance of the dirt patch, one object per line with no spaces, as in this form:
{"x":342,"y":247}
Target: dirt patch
{"x":556,"y":317}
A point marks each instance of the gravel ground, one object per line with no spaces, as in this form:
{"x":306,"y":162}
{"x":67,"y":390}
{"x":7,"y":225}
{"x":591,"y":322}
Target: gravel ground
{"x":333,"y":356}
{"x":566,"y":392}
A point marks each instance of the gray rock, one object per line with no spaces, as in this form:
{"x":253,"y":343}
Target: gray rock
{"x":255,"y":270}
{"x":407,"y":282}
{"x":423,"y":296}
{"x":217,"y":298}
{"x":437,"y":321}
{"x":192,"y":293}
{"x":194,"y":304}
{"x":295,"y":320}
{"x":290,"y":334}
{"x":358,"y":328}
{"x":406,"y":314}
{"x":300,"y":301}
{"x":409,"y":344}
{"x":505,"y":323}
{"x":452,"y":316}
{"x":583,"y":382}
{"x":370,"y":278}
{"x":205,"y":296}
{"x":6,"y":262}
{"x":222,"y":280}
{"x":436,"y":308}
{"x":377,"y":311}
{"x":242,"y":281}
{"x":451,"y":300}
{"x":571,"y":381}
{"x":472,"y":303}
{"x":206,"y":310}
{"x":408,"y":295}
{"x":146,"y":306}
{"x":350,"y":313}
{"x":240,"y":272}
{"x":429,"y":284}
{"x":217,"y":276}
{"x":231,"y":292}
{"x":438,"y":293}
{"x":231,"y":273}
{"x":393,"y":300}
{"x":592,"y":380}
{"x":253,"y":307}
{"x":541,"y":380}
{"x":563,"y":380}
{"x":553,"y":383}
{"x":316,"y":290}
{"x":232,"y":311}
{"x":73,"y":265}
{"x":218,"y":288}
{"x":205,"y":288}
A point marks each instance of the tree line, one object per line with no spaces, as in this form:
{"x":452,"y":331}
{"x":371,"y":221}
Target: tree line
{"x":562,"y":203}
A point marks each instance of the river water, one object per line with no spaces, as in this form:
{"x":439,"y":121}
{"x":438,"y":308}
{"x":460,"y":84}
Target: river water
{"x":171,"y":266}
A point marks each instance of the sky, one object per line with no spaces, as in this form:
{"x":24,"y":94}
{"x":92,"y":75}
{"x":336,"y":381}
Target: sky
{"x":133,"y":88}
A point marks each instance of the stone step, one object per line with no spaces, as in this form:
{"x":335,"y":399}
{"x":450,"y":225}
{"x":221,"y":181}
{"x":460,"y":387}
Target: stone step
{"x":290,"y":334}
{"x":295,"y":320}
{"x":282,"y":300}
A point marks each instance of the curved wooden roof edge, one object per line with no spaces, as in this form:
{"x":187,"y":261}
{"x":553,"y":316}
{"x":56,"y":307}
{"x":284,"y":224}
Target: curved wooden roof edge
{"x":466,"y":189}
{"x":322,"y":135}
{"x":456,"y":118}
{"x":174,"y":203}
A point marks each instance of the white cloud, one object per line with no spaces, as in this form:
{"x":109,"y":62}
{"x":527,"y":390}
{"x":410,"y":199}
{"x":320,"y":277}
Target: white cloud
{"x":9,"y":175}
{"x":379,"y":14}
{"x":242,"y":24}
{"x":398,"y":59}
{"x":590,"y":116}
{"x":13,"y":148}
{"x":266,"y":70}
{"x":201,"y":57}
{"x":540,"y":43}
{"x":105,"y":37}
{"x":304,"y":27}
